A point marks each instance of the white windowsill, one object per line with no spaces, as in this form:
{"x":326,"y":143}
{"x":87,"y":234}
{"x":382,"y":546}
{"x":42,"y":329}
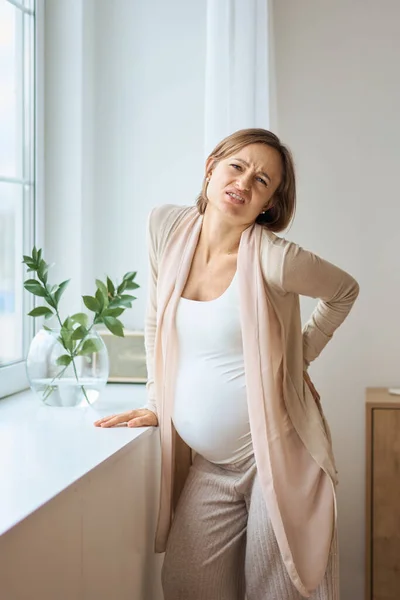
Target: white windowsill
{"x":43,"y":450}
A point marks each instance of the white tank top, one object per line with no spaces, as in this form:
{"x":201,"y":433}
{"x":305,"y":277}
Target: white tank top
{"x":210,"y":408}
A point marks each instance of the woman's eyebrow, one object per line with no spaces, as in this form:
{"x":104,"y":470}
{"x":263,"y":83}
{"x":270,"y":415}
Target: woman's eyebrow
{"x":247,"y":165}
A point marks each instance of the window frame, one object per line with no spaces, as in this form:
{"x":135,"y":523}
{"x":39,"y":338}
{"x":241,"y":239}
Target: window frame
{"x":13,"y":377}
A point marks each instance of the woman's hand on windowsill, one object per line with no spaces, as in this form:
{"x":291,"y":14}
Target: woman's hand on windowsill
{"x":141,"y":417}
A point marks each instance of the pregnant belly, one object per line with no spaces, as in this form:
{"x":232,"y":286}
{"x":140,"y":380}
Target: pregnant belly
{"x":211,"y":415}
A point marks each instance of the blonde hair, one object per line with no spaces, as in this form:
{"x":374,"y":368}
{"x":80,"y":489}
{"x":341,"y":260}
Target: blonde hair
{"x":280,"y":214}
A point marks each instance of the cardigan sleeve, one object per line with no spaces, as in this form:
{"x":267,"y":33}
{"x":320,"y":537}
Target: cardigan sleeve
{"x":161,"y":222}
{"x":307,"y":274}
{"x":151,"y":311}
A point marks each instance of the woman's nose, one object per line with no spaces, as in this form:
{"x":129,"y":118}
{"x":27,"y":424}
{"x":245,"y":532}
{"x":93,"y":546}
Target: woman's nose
{"x":243,"y":182}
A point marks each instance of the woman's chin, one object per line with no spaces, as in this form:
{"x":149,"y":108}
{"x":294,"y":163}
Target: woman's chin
{"x":231,"y":208}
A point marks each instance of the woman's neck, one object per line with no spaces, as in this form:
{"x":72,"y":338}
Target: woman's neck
{"x":218,"y":237}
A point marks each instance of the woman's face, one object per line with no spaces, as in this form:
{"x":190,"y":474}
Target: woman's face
{"x":242,"y":186}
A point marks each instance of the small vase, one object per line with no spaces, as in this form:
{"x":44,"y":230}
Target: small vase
{"x":77,"y":384}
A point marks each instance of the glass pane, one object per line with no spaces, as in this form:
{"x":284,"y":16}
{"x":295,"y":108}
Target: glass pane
{"x":11,"y":273}
{"x":28,"y":235}
{"x":29,"y":4}
{"x":11,"y":90}
{"x":29,"y":97}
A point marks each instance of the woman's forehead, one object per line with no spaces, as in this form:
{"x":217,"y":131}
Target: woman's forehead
{"x":259,"y":156}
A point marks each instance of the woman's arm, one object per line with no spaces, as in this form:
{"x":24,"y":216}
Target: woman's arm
{"x":307,"y":274}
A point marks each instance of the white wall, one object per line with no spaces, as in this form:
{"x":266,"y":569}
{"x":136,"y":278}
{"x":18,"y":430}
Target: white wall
{"x":148,"y":125}
{"x":338,"y":96}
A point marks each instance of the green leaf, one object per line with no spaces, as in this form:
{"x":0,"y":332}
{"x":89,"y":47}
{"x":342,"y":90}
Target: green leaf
{"x":91,"y":303}
{"x":34,"y":254}
{"x":122,"y":287}
{"x":130,"y":275}
{"x":100,"y":299}
{"x":90,"y":346}
{"x":117,"y":303}
{"x":113,"y":312}
{"x":46,"y":328}
{"x":34,"y":287}
{"x":110,"y":287}
{"x":131,"y":285}
{"x":114,"y":325}
{"x":67,"y":325}
{"x":29,"y":262}
{"x":103,"y":288}
{"x":60,"y":290}
{"x":113,"y":303}
{"x":80,"y":318}
{"x":79,"y":333}
{"x":39,"y":255}
{"x":41,"y":311}
{"x":42,"y":270}
{"x":66,"y":335}
{"x":64,"y":360}
{"x":124,"y":300}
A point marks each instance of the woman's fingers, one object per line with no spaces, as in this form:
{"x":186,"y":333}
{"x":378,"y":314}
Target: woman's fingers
{"x":134,"y":418}
{"x":311,"y":386}
{"x":143,"y":421}
{"x":138,"y":422}
{"x":100,"y":421}
{"x":112,"y":420}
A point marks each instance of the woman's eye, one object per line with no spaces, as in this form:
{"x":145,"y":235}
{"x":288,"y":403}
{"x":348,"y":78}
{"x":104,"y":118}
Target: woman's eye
{"x":236,"y":166}
{"x":262,"y":180}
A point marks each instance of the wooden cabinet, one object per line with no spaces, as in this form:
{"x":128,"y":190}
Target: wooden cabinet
{"x":383,"y":495}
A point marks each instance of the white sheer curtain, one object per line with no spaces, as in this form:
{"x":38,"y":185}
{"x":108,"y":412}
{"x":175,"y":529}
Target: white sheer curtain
{"x":239,"y":74}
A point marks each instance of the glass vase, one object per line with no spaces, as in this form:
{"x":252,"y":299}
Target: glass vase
{"x":57,"y":383}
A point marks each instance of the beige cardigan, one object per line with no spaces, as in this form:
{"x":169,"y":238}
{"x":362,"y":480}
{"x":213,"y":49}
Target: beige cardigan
{"x":291,"y":439}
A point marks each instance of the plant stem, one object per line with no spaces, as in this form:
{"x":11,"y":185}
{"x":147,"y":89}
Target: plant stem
{"x":73,"y":356}
{"x":73,"y":363}
{"x":82,"y":386}
{"x":58,"y":375}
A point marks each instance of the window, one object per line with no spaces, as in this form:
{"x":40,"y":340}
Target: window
{"x":17,"y":185}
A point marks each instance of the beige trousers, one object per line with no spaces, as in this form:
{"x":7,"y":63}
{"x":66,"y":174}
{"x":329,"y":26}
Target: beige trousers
{"x":222,"y":545}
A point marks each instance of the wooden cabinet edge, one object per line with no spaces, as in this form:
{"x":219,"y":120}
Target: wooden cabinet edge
{"x":368,"y":501}
{"x":376,"y":398}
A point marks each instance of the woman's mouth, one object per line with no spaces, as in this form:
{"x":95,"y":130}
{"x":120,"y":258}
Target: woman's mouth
{"x":235,"y":198}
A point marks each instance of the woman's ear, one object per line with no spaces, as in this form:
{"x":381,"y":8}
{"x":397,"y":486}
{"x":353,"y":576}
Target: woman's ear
{"x":210,"y":162}
{"x":269,"y":204}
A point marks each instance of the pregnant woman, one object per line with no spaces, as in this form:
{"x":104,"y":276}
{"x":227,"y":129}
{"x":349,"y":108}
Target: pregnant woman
{"x":248,"y":503}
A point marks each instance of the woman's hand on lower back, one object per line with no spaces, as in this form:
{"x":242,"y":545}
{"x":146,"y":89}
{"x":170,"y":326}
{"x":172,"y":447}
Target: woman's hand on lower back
{"x":310,"y":384}
{"x":140,"y":417}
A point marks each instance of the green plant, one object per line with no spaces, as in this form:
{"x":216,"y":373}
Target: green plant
{"x":108,"y":303}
